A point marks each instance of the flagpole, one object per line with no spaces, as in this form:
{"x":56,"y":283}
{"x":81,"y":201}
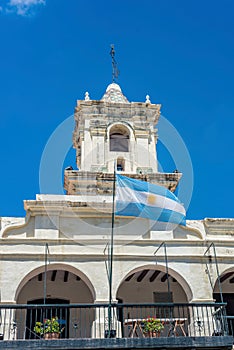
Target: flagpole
{"x":45,"y":273}
{"x":168,"y":282}
{"x":111,"y":254}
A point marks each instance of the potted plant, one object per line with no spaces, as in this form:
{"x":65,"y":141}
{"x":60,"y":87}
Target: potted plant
{"x":152,"y":327}
{"x":49,"y":328}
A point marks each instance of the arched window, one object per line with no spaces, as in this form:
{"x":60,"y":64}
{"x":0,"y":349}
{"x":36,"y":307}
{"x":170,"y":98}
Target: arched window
{"x":119,"y":139}
{"x":120,"y":164}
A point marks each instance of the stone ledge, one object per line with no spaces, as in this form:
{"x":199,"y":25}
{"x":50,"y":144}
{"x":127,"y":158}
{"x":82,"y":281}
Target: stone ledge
{"x":183,"y":343}
{"x":88,"y":182}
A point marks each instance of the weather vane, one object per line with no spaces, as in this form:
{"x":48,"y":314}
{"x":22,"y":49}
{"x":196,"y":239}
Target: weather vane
{"x":115,"y":71}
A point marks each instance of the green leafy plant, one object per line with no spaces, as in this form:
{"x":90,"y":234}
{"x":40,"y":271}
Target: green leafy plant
{"x":152,"y":324}
{"x":48,"y":326}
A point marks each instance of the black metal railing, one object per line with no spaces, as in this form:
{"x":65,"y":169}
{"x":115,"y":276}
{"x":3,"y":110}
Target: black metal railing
{"x":115,"y":320}
{"x":230,"y":324}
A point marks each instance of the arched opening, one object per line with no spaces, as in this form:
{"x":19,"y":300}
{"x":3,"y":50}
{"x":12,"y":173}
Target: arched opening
{"x":120,"y":164}
{"x":64,"y":285}
{"x":227,"y":288}
{"x":119,"y":139}
{"x":147,"y":287}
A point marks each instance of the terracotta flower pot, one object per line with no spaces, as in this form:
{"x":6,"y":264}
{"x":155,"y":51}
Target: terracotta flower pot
{"x":47,"y":336}
{"x":54,"y":335}
{"x":152,"y":334}
{"x":51,"y":336}
{"x":155,"y":334}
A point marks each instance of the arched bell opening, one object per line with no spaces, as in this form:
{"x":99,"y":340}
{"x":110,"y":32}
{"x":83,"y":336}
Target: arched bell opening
{"x":119,"y":138}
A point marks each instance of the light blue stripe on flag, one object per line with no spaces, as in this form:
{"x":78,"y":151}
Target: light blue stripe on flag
{"x":142,"y":199}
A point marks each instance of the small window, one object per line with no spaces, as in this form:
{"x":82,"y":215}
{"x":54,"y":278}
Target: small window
{"x":120,"y":164}
{"x":163,"y":297}
{"x":163,"y":311}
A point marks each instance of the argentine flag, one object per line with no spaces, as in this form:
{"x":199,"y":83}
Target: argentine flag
{"x":142,"y":199}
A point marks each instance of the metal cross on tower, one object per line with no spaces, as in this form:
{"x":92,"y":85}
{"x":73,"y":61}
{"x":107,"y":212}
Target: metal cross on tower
{"x":115,"y":71}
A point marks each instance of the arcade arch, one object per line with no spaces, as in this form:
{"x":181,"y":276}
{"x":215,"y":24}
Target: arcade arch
{"x":64,"y":285}
{"x":62,"y":281}
{"x":148,"y":284}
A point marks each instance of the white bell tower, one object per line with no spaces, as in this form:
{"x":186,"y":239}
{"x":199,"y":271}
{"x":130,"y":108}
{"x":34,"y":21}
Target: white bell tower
{"x":113,"y":129}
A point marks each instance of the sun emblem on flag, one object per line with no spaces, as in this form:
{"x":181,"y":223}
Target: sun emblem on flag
{"x":151,"y":199}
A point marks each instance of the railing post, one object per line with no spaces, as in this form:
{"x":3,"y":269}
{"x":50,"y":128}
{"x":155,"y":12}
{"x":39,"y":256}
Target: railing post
{"x":102,"y":327}
{"x":8,"y":324}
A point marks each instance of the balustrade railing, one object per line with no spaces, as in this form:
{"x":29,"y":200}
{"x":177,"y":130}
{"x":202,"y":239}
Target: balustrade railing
{"x":115,"y":320}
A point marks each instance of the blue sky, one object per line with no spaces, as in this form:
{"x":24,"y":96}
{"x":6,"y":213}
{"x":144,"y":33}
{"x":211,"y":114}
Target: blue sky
{"x":179,"y":52}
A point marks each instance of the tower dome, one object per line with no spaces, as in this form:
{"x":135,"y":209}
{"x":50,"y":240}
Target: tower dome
{"x":114,"y":94}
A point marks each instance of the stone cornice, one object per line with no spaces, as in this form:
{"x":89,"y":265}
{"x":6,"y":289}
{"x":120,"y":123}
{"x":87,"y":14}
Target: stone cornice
{"x":76,"y":181}
{"x":136,"y":111}
{"x":69,"y":257}
{"x":219,"y":226}
{"x":85,"y":209}
{"x":142,"y":243}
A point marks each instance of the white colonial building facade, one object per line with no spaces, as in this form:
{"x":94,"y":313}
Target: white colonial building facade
{"x":68,"y":234}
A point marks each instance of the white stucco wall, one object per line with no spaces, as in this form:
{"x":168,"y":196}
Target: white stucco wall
{"x":82,"y":249}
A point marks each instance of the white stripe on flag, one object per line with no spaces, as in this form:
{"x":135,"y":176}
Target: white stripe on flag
{"x":127,"y":195}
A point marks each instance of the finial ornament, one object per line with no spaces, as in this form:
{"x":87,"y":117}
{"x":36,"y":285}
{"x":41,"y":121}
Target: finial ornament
{"x":115,"y":71}
{"x":87,"y":96}
{"x":147,"y":99}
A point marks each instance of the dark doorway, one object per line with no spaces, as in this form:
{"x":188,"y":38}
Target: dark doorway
{"x":38,"y":314}
{"x":229,"y":299}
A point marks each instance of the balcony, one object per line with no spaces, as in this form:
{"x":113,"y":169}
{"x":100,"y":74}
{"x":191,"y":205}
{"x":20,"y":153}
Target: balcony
{"x":103,"y":326}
